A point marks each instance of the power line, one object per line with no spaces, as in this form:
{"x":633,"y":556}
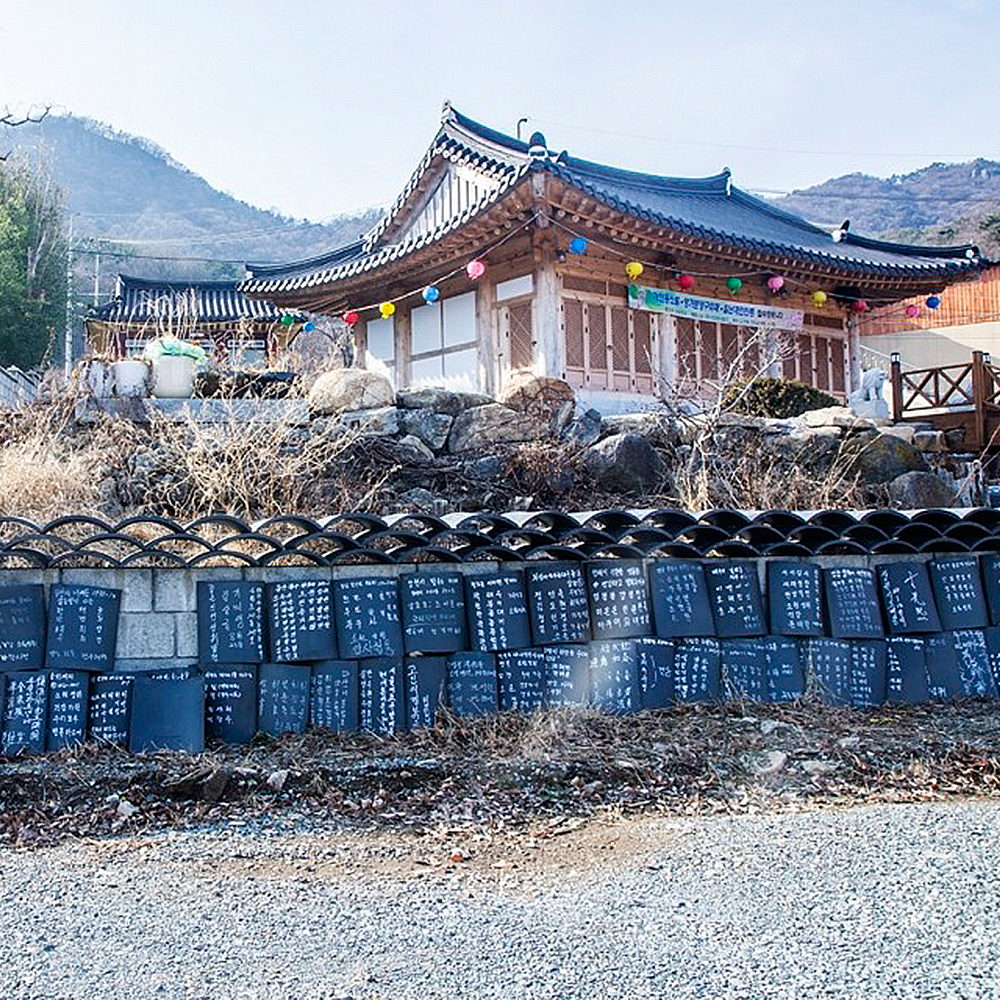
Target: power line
{"x":147,"y":256}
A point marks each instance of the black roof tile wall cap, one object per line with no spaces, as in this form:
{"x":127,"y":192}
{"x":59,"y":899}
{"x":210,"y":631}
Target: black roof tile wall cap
{"x":968,"y":532}
{"x":989,"y":517}
{"x":670,"y":519}
{"x":735,"y":549}
{"x":781,"y":520}
{"x":893,"y":546}
{"x":812,"y":536}
{"x":726,"y":519}
{"x":888,"y":521}
{"x":842,"y":547}
{"x":866,"y":534}
{"x":702,"y":537}
{"x":939,"y":517}
{"x":832,"y":520}
{"x":942,"y":544}
{"x":917,"y":534}
{"x":989,"y":544}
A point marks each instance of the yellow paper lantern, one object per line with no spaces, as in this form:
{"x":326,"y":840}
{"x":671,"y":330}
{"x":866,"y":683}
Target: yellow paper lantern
{"x":386,"y":309}
{"x":819,"y":297}
{"x":633,"y":269}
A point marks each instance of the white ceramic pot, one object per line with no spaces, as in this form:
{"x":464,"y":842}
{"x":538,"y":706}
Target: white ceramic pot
{"x":131,"y":378}
{"x":173,"y":377}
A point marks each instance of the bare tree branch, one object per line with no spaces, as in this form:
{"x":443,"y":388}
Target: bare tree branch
{"x":12,"y":120}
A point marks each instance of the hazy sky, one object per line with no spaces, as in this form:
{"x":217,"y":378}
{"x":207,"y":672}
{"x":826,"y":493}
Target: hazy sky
{"x":322,"y":107}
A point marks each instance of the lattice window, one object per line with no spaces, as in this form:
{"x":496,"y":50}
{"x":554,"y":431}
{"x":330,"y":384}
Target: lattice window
{"x":520,"y":344}
{"x":643,"y":341}
{"x":838,"y":376}
{"x":597,"y":338}
{"x":822,"y":363}
{"x":573,"y":325}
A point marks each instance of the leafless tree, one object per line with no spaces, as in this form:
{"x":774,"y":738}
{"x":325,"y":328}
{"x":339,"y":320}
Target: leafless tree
{"x":12,"y":119}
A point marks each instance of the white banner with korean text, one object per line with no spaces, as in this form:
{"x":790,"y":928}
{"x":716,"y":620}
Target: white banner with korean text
{"x":733,"y":312}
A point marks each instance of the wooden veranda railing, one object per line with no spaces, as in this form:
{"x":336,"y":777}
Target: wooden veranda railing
{"x":965,"y":395}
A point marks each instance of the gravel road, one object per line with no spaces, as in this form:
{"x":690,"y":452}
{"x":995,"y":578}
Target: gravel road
{"x":879,"y":901}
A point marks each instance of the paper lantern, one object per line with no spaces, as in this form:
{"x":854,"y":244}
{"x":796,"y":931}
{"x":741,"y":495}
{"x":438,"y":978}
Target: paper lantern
{"x":475,"y":269}
{"x":309,"y":327}
{"x":287,"y":319}
{"x":776,"y":282}
{"x":350,"y":317}
{"x":686,"y":281}
{"x":819,"y":297}
{"x":633,"y":269}
{"x":734,"y":285}
{"x":579,"y":245}
{"x":386,"y":309}
{"x":859,"y":306}
{"x":933,"y":302}
{"x":912,"y":310}
{"x":431,"y":293}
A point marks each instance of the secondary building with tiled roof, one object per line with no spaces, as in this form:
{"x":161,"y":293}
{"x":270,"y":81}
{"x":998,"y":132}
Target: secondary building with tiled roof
{"x":234,"y":328}
{"x":626,"y":284}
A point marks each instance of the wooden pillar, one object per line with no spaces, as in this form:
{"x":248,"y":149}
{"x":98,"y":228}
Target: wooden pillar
{"x":667,"y":354}
{"x":854,"y":356}
{"x":401,"y":328}
{"x":487,"y":337}
{"x":548,"y":349}
{"x":360,"y":334}
{"x":979,"y":398}
{"x":896,"y":380}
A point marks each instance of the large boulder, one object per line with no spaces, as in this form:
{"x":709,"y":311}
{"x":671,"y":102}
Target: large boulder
{"x":836,"y":416}
{"x":540,"y":396}
{"x":484,"y":427}
{"x":624,"y":462}
{"x":885,"y":457}
{"x":350,"y":389}
{"x":916,"y":490}
{"x":440,"y":400}
{"x":430,"y":426}
{"x":655,"y":425}
{"x":585,"y":430}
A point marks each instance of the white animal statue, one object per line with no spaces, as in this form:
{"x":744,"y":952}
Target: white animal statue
{"x":872,"y":380}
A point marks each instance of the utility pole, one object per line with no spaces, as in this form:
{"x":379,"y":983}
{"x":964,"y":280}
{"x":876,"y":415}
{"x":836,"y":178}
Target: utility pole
{"x":97,"y":277}
{"x":68,"y":337}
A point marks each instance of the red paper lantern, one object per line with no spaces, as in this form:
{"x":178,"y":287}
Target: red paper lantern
{"x":350,"y":317}
{"x":859,"y":306}
{"x":686,"y":281}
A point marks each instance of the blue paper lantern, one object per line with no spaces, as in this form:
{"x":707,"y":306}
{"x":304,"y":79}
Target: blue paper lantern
{"x":579,"y":245}
{"x":431,"y":293}
{"x":309,"y":327}
{"x":933,"y":302}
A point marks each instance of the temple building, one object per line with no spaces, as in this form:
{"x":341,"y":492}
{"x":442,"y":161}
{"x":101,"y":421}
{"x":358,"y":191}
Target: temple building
{"x":237,"y":331}
{"x":501,"y":255}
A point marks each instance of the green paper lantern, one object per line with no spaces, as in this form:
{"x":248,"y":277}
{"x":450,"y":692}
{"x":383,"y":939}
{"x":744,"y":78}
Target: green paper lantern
{"x":734,"y":285}
{"x":287,"y":319}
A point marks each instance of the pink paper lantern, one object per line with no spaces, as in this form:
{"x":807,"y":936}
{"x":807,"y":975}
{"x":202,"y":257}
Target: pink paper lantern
{"x":475,"y":269}
{"x":686,"y":281}
{"x":912,"y":311}
{"x":859,"y":306}
{"x":776,"y":282}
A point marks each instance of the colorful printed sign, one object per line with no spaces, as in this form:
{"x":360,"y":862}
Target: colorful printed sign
{"x":663,"y":300}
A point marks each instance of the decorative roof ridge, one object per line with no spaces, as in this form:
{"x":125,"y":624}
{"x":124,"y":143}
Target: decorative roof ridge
{"x":127,"y":281}
{"x":967,"y":250}
{"x":345,"y":251}
{"x":715,"y":184}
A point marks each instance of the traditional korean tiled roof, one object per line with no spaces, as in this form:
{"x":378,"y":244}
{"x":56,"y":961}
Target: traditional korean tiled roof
{"x":710,"y":208}
{"x":141,"y":300}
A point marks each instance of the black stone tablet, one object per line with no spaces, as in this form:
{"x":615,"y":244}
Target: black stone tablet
{"x":433,"y":612}
{"x":907,"y":598}
{"x":69,"y":695}
{"x":335,"y":696}
{"x":426,"y":690}
{"x":230,"y":702}
{"x":868,"y":673}
{"x":944,"y":680}
{"x":975,"y":671}
{"x":734,"y":590}
{"x":619,"y":599}
{"x":744,"y":666}
{"x":382,"y":696}
{"x":367,"y":613}
{"x":230,"y":621}
{"x":697,"y":670}
{"x":992,"y":637}
{"x":567,"y":676}
{"x":111,"y":708}
{"x":679,"y":596}
{"x":784,"y":678}
{"x":795,"y":598}
{"x":521,"y":674}
{"x":852,"y":603}
{"x":25,"y":712}
{"x":906,"y":671}
{"x":82,"y":628}
{"x":557,"y":603}
{"x":614,"y":676}
{"x":167,"y":715}
{"x":472,"y":684}
{"x":830,"y":664}
{"x":655,"y":664}
{"x":990,"y":566}
{"x":958,"y":590}
{"x":497,"y":609}
{"x":22,"y":627}
{"x":282,"y":698}
{"x":300,"y":621}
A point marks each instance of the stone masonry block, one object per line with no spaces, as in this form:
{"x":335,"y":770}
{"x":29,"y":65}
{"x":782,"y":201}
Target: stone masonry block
{"x":282,"y":574}
{"x":145,"y":635}
{"x":186,"y":629}
{"x":176,"y":590}
{"x":136,"y":585}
